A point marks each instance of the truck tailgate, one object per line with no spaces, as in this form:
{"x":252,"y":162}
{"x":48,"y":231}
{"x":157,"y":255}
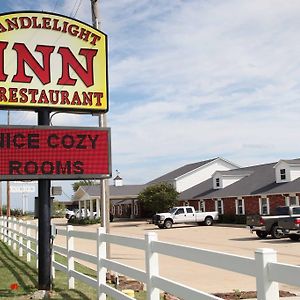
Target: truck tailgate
{"x":253,"y":220}
{"x":287,"y":223}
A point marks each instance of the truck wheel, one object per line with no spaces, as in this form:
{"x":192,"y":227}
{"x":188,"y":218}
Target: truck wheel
{"x":168,"y":224}
{"x":294,"y":237}
{"x":275,"y":233}
{"x":261,"y":234}
{"x":208,"y":221}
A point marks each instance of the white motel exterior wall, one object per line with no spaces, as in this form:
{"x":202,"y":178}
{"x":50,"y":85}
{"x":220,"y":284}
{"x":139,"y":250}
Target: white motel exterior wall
{"x":201,"y":174}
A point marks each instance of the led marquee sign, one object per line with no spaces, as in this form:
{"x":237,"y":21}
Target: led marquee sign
{"x":43,"y":152}
{"x":51,"y":61}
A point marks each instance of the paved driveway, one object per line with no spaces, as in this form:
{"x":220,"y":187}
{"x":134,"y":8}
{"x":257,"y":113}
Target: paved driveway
{"x":231,"y":240}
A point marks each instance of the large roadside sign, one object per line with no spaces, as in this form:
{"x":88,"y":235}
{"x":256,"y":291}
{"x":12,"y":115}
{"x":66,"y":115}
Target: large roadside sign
{"x":43,"y":152}
{"x":51,"y":61}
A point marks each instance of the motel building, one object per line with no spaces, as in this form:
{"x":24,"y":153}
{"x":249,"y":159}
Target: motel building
{"x":214,"y":184}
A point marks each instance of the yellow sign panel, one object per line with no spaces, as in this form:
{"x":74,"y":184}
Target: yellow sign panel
{"x":51,"y":61}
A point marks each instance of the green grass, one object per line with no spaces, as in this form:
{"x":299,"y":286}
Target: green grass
{"x":15,"y":269}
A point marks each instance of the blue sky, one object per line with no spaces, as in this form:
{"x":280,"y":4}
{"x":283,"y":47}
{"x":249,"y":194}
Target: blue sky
{"x":191,"y":80}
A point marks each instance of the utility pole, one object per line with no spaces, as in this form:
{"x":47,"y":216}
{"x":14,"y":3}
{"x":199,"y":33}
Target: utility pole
{"x":104,"y":192}
{"x":102,"y":123}
{"x":8,"y":183}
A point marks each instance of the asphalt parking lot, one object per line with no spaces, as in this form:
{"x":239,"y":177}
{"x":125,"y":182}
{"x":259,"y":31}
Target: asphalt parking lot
{"x":232,"y":240}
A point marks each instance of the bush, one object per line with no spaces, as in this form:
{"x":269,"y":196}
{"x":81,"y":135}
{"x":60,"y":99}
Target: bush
{"x":158,"y":197}
{"x":83,"y":221}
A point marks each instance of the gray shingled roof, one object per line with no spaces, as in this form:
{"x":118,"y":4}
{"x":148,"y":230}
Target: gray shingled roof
{"x":197,"y":191}
{"x":181,"y":171}
{"x":115,"y":191}
{"x":261,"y":181}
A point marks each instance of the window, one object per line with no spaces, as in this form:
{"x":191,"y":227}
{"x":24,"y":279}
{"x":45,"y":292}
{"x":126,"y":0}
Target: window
{"x":136,"y":209}
{"x":179,"y":211}
{"x":296,"y":211}
{"x":120,"y":210}
{"x":189,"y":210}
{"x":282,"y":174}
{"x":239,"y":207}
{"x":217,"y":182}
{"x":292,"y":200}
{"x":219,"y":206}
{"x":201,"y":205}
{"x":264,"y":208}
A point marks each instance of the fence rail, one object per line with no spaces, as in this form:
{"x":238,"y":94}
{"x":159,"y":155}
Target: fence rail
{"x":264,"y":266}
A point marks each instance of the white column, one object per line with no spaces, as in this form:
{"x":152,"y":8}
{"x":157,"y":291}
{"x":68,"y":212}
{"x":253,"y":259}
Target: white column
{"x":91,"y":209}
{"x":85,"y":209}
{"x":98,"y":207}
{"x":79,"y":207}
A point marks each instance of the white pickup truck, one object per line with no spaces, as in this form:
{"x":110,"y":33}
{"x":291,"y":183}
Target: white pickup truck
{"x":184,"y":214}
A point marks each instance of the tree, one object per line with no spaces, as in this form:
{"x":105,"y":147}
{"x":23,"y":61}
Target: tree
{"x":78,"y":184}
{"x":158,"y":197}
{"x":58,"y":209}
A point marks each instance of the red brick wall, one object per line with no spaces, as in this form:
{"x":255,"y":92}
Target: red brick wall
{"x":251,"y":205}
{"x":210,"y":205}
{"x":274,"y":201}
{"x":194,"y":203}
{"x":229,"y":206}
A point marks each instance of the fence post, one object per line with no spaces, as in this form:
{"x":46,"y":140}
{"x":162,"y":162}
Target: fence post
{"x":37,"y":246}
{"x":1,"y":228}
{"x":14,"y":233}
{"x":70,"y":258}
{"x":9,"y":231}
{"x":5,"y":229}
{"x":28,"y":242}
{"x":21,"y":228}
{"x":266,"y":289}
{"x":152,"y":267}
{"x":53,"y":228}
{"x":101,"y":254}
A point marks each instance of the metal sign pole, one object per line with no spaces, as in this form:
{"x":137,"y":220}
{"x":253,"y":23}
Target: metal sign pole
{"x":44,"y":221}
{"x":104,"y":193}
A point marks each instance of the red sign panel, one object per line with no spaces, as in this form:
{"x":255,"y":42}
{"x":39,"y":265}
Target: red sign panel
{"x":44,"y":152}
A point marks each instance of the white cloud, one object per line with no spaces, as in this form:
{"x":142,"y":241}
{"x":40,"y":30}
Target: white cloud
{"x":190,"y":80}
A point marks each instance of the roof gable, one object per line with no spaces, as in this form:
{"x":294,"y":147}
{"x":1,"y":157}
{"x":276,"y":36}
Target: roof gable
{"x":171,"y":176}
{"x":259,"y":181}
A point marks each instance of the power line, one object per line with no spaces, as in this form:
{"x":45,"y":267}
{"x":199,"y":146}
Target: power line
{"x":77,"y":8}
{"x":74,"y":9}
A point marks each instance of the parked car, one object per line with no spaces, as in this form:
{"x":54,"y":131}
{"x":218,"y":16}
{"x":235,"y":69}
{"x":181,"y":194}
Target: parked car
{"x":69,"y":213}
{"x":75,"y":214}
{"x":184,"y":214}
{"x":291,"y":225}
{"x":269,"y":225}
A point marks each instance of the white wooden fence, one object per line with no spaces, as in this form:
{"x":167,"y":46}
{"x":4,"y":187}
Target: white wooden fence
{"x":264,"y":266}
